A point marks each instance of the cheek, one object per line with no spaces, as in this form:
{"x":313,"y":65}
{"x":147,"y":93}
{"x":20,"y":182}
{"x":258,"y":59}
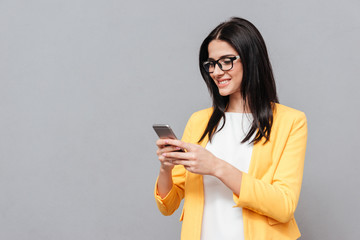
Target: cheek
{"x":239,"y":78}
{"x":237,"y":74}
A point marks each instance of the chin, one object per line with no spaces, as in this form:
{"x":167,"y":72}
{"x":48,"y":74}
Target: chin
{"x":224,"y":94}
{"x":225,"y":91}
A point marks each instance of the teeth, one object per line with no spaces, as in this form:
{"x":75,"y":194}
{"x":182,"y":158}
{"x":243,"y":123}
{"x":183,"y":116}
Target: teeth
{"x":223,"y":82}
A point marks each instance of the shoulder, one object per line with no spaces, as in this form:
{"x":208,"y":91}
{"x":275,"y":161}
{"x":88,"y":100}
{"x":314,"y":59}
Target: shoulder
{"x":282,"y":112}
{"x":196,"y":125}
{"x":288,"y":120}
{"x":201,"y":115}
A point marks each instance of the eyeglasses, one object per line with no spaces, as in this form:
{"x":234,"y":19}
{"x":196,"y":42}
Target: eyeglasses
{"x":225,"y":63}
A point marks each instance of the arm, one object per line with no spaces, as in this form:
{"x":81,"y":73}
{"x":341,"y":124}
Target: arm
{"x":170,"y":184}
{"x":278,"y":197}
{"x":229,"y":175}
{"x":199,"y":160}
{"x":164,"y":183}
{"x":170,"y":202}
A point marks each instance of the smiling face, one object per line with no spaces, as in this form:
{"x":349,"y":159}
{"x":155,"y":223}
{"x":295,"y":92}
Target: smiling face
{"x":228,"y":82}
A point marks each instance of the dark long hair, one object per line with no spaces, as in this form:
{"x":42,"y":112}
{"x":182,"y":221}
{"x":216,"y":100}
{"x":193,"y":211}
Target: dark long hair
{"x":258,"y":88}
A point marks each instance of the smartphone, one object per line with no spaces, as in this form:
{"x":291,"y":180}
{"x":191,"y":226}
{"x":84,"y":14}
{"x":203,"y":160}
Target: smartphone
{"x":164,"y":131}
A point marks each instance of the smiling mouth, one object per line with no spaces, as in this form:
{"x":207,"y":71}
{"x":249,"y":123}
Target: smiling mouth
{"x":223,"y":81}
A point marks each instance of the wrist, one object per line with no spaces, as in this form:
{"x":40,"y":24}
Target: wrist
{"x":219,"y":168}
{"x":166,"y":170}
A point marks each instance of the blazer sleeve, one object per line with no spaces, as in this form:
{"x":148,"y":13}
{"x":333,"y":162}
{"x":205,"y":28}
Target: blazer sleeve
{"x":171,"y":201}
{"x":278,"y":199}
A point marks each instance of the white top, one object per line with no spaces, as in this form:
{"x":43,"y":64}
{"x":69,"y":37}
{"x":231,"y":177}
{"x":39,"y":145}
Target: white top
{"x":220,"y":219}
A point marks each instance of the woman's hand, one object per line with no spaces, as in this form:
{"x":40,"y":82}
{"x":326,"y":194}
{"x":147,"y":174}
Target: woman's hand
{"x":196,"y":159}
{"x":163,"y":149}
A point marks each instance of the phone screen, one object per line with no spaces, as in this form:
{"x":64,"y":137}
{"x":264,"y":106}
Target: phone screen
{"x":164,"y":131}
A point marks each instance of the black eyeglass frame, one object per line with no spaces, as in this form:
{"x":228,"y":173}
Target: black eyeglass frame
{"x":219,"y":64}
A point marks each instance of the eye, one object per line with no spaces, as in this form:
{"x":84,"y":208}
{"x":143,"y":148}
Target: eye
{"x":209,"y":66}
{"x":226,"y":61}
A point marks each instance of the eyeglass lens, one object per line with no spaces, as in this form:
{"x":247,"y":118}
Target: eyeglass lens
{"x":225,"y":64}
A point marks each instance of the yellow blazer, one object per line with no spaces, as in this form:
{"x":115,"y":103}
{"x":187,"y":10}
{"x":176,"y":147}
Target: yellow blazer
{"x":270,"y":190}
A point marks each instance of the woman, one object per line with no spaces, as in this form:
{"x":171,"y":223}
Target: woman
{"x":242,"y":165}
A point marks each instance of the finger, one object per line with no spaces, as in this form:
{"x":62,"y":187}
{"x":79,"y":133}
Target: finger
{"x":190,"y":169}
{"x":165,"y":158}
{"x":166,"y":161}
{"x":160,"y":143}
{"x":169,"y":163}
{"x":178,"y":143}
{"x":173,"y":159}
{"x":177,"y":155}
{"x":185,"y":163}
{"x":163,"y":142}
{"x":168,"y":149}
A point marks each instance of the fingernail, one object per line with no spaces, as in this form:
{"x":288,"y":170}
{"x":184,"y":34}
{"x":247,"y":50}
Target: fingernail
{"x":164,"y":154}
{"x":177,"y":148}
{"x":166,"y":141}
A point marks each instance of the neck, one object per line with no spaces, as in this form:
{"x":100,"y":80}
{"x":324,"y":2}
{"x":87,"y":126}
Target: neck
{"x":236,"y":104}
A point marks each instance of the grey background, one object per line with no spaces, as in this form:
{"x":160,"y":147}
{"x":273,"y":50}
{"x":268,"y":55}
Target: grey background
{"x":82,"y":82}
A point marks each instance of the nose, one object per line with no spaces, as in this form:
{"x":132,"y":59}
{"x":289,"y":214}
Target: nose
{"x":217,"y":70}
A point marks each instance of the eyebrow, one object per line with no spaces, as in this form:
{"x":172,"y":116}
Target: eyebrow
{"x":227,"y":55}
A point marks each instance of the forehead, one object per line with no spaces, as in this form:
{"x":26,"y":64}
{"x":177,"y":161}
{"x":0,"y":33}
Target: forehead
{"x":219,"y":48}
